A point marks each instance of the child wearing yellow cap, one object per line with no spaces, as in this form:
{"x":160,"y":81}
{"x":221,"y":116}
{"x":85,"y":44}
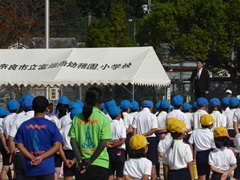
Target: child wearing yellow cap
{"x":178,"y":157}
{"x":203,"y":140}
{"x":221,"y":160}
{"x":138,"y":166}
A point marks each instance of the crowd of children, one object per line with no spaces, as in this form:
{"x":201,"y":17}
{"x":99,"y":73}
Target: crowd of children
{"x":96,"y":140}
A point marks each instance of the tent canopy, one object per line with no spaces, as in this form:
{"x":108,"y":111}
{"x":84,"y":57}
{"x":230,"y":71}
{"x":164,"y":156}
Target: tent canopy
{"x":81,"y":66}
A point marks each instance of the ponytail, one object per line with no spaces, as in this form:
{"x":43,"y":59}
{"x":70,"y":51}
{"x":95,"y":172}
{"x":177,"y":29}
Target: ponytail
{"x":93,"y":96}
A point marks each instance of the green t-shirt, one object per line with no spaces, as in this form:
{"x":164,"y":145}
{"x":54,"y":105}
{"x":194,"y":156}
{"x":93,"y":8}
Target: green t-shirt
{"x":88,"y":135}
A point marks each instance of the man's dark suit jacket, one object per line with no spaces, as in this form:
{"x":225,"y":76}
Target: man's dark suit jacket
{"x":201,"y":84}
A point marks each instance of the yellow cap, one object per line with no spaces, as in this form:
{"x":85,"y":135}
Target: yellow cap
{"x":207,"y":120}
{"x":170,"y":121}
{"x":177,"y":126}
{"x":220,"y":132}
{"x":138,"y":141}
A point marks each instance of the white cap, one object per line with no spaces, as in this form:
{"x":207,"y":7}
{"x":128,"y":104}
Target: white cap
{"x":238,"y":96}
{"x":228,"y":91}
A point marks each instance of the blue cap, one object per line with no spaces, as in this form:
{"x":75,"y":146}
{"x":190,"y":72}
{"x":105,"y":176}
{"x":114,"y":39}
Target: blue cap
{"x":225,"y":101}
{"x":27,"y":101}
{"x":147,"y":103}
{"x":195,"y":105}
{"x":75,"y":112}
{"x":125,"y":104}
{"x":177,"y":100}
{"x":102,"y":106}
{"x":13,"y":105}
{"x":74,"y":105}
{"x":202,"y":102}
{"x":233,"y":102}
{"x":158,"y":105}
{"x":186,"y":106}
{"x":135,"y":105}
{"x":3,"y":112}
{"x":114,"y":111}
{"x":164,"y":104}
{"x":214,"y":102}
{"x":63,"y":100}
{"x":81,"y":104}
{"x":110,"y":103}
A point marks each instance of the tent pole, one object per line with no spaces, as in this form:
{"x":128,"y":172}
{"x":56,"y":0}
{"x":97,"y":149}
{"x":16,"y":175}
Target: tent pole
{"x":133,"y":92}
{"x":47,"y":34}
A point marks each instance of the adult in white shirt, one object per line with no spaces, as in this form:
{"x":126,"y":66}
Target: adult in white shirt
{"x":145,"y":123}
{"x":202,"y":107}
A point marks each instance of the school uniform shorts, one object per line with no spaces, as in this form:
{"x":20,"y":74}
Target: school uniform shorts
{"x":72,"y":170}
{"x":152,"y":153}
{"x":117,"y":159}
{"x":203,"y":167}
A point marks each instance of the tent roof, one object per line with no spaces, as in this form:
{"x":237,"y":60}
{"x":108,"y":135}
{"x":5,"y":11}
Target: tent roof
{"x":81,"y":66}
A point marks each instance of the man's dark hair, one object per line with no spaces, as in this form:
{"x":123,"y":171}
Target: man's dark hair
{"x":40,"y":103}
{"x":199,"y":60}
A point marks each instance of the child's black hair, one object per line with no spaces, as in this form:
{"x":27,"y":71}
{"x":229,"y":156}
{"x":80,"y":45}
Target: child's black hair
{"x":176,"y":135}
{"x":63,"y":109}
{"x":222,"y":142}
{"x":205,"y":126}
{"x":137,"y":153}
{"x":40,"y":103}
{"x":93,"y":96}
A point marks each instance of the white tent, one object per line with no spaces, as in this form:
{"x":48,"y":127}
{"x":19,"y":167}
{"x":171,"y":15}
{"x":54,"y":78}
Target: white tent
{"x":81,"y":66}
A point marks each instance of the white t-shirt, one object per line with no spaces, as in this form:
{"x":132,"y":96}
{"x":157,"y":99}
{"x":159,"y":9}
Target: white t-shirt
{"x":196,"y":118}
{"x":202,"y":138}
{"x":165,"y":143}
{"x":66,"y":139}
{"x":137,"y":168}
{"x":65,"y":120}
{"x":178,"y":156}
{"x":127,"y":119}
{"x":222,"y":158}
{"x":7,"y":121}
{"x":221,"y":120}
{"x":161,"y":119}
{"x":144,"y":121}
{"x":118,"y":132}
{"x":190,"y":117}
{"x":18,"y":120}
{"x":177,"y":113}
{"x":237,"y":143}
{"x":229,"y":117}
{"x":236,"y":117}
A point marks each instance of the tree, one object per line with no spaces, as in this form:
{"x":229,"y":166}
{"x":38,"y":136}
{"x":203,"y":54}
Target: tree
{"x":110,"y":31}
{"x":196,"y":29}
{"x":19,"y":19}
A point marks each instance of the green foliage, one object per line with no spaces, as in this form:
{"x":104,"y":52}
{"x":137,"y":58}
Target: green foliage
{"x":112,"y":31}
{"x":196,"y":29}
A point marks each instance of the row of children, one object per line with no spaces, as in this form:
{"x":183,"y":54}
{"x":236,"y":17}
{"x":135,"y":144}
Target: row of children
{"x":122,"y":126}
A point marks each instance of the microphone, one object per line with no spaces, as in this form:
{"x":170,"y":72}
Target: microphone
{"x":197,"y":75}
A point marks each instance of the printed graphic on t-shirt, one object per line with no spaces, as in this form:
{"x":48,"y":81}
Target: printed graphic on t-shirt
{"x":37,"y":147}
{"x":88,"y":143}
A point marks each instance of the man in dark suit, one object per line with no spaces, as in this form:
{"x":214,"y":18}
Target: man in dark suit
{"x":200,"y":79}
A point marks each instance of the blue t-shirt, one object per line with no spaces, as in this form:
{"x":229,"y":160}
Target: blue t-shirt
{"x":38,"y":136}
